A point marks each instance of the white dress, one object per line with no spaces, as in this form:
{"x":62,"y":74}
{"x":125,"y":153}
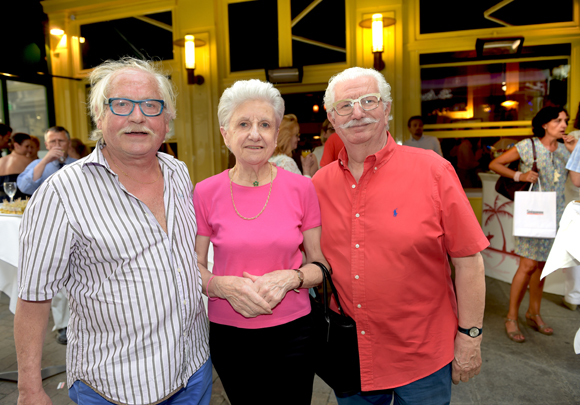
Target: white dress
{"x":286,"y":163}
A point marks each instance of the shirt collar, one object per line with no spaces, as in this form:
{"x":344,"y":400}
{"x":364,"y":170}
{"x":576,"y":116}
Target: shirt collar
{"x":378,"y":159}
{"x":97,"y":158}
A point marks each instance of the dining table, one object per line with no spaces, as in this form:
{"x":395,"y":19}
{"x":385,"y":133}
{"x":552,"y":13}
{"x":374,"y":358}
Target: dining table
{"x":9,"y":249}
{"x":9,"y":224}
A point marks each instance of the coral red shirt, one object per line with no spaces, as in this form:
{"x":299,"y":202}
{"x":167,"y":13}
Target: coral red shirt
{"x":387,"y":238}
{"x":332,"y":148}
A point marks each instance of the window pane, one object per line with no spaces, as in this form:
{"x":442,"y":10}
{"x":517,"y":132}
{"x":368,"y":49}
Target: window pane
{"x":510,"y":91}
{"x":317,"y":45}
{"x":127,"y":37}
{"x":27,"y":107}
{"x":457,"y":15}
{"x":253,"y":28}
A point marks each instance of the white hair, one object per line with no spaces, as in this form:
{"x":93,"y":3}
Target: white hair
{"x":246,"y":90}
{"x":355,"y":73}
{"x":102,"y":76}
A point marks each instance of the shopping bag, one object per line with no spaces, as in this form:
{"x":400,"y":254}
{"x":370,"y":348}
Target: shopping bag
{"x":535,"y":213}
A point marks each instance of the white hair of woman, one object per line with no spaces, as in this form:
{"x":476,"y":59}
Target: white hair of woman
{"x":102,"y":76}
{"x":355,"y":73}
{"x":246,"y":90}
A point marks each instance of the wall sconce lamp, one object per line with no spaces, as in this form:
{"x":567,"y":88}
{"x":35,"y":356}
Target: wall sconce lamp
{"x":57,"y":32}
{"x":377,"y":23}
{"x":190,"y":43}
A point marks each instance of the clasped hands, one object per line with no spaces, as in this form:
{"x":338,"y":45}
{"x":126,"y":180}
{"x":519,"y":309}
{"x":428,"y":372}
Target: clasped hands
{"x":251,"y":295}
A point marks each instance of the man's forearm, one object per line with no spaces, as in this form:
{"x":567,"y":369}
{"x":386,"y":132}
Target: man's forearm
{"x":30,"y":323}
{"x":470,"y":289}
{"x":575,"y":177}
{"x":38,"y":170}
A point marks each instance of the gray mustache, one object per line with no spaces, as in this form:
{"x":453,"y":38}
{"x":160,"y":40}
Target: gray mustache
{"x":363,"y":121}
{"x":136,"y":128}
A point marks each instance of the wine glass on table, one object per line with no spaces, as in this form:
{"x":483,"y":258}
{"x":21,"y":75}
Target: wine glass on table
{"x":10,"y":189}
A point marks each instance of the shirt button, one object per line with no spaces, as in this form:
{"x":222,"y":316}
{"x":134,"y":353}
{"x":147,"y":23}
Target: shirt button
{"x":362,"y":332}
{"x":356,"y":276}
{"x":354,"y":186}
{"x":376,"y":168}
{"x":356,"y":246}
{"x":178,"y":270}
{"x":357,"y":215}
{"x":358,"y":306}
{"x":184,"y":302}
{"x":341,"y":163}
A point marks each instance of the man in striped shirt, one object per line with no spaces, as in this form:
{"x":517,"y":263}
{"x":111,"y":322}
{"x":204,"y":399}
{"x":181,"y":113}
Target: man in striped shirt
{"x":117,"y":229}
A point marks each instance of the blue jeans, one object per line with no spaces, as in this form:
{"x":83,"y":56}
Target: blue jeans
{"x":197,"y":391}
{"x":435,"y":389}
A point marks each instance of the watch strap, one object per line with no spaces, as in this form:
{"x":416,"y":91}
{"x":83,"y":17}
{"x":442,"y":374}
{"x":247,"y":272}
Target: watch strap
{"x":471,"y":332}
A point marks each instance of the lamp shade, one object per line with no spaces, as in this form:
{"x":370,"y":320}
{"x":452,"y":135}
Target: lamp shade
{"x":189,"y":52}
{"x":377,"y":27}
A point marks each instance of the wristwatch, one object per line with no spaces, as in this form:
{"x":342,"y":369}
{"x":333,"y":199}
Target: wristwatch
{"x":471,"y":332}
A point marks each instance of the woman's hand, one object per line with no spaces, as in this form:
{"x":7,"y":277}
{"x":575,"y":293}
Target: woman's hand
{"x":531,"y":177}
{"x":570,"y":142}
{"x":242,"y":294}
{"x":309,"y":165}
{"x":273,"y":286}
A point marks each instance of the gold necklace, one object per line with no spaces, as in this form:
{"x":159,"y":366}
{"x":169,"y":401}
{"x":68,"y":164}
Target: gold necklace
{"x":267,"y":199}
{"x":136,"y":181}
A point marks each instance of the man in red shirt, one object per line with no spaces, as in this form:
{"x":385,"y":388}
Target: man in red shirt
{"x":332,"y":148}
{"x":391,"y":215}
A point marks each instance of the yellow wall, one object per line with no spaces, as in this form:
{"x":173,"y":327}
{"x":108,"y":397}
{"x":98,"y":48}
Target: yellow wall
{"x":197,"y":129}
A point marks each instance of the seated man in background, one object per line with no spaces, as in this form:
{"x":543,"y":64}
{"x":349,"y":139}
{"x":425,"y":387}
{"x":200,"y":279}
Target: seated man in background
{"x":57,"y":141}
{"x":418,"y":140}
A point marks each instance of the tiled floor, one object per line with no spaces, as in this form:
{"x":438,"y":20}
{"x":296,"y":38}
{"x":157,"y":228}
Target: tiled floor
{"x":543,"y":370}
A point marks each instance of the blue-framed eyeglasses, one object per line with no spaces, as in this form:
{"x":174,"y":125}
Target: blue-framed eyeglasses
{"x":125,"y":106}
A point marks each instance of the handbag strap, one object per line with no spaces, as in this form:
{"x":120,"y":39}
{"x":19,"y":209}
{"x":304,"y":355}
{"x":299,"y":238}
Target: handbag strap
{"x":326,"y":277}
{"x":534,"y":165}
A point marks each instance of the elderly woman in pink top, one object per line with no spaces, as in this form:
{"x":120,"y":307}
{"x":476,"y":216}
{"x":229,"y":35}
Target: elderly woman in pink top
{"x":257,"y":215}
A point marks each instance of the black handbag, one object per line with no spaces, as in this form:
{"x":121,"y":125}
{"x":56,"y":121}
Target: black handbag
{"x":336,"y":358}
{"x":508,"y":187}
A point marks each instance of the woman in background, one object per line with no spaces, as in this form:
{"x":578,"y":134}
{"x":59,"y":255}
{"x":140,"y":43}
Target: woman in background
{"x":15,"y":163}
{"x":35,"y":148}
{"x":287,"y":142}
{"x":549,"y":125}
{"x":325,"y":131}
{"x":77,"y":149}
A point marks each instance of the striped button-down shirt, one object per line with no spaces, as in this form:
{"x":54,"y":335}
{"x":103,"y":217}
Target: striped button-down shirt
{"x":138,"y":328}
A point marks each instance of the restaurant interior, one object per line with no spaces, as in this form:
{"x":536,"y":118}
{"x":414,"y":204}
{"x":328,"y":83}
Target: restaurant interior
{"x":476,"y":72}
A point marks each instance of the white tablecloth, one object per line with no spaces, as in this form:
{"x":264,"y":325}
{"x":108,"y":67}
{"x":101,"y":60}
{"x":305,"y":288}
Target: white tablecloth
{"x":9,"y":248}
{"x":9,"y":226}
{"x":566,"y":249}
